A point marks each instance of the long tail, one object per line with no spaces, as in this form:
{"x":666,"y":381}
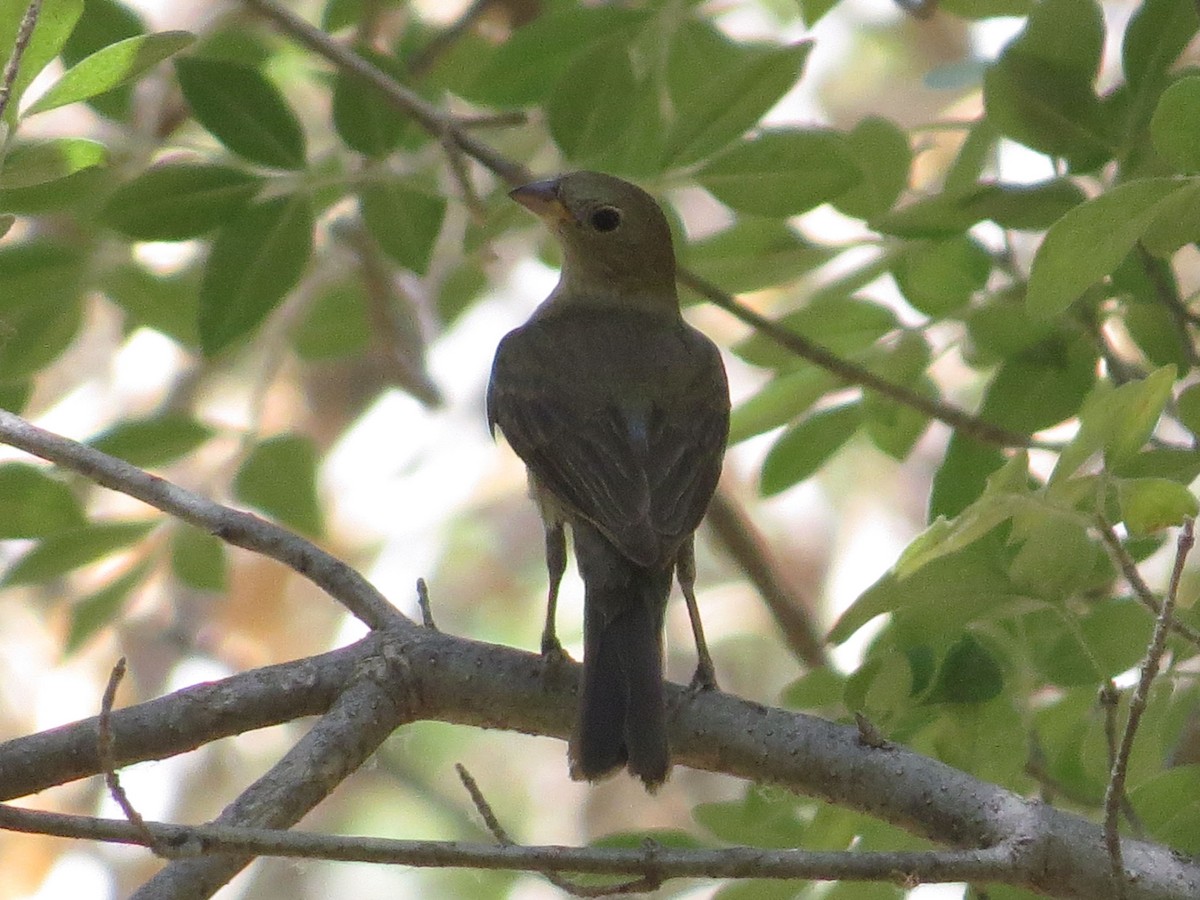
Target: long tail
{"x":622,"y":715}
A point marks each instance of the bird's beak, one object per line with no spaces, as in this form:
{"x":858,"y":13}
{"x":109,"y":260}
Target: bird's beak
{"x":541,"y":198}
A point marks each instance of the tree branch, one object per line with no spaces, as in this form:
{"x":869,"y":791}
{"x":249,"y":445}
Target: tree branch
{"x":1066,"y":855}
{"x":374,"y":703}
{"x":992,"y":864}
{"x":13,"y":66}
{"x":241,"y":529}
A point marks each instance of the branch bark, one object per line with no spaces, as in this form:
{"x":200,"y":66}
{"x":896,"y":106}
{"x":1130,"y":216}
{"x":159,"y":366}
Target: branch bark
{"x":1062,"y":855}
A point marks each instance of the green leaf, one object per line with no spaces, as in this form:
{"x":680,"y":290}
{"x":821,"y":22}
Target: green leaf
{"x":153,"y":441}
{"x":944,"y":595}
{"x":588,"y":112}
{"x":939,"y":277}
{"x":882,"y":153}
{"x":969,"y":673}
{"x":1168,"y":803}
{"x":1150,"y":504}
{"x":404,"y":221}
{"x":765,"y":818}
{"x":1136,"y":408}
{"x":1021,"y":207}
{"x":845,"y":325}
{"x":782,"y":172}
{"x":1042,"y":386}
{"x":1091,"y":240}
{"x":54,"y":23}
{"x":1175,"y":123}
{"x":752,"y":254}
{"x":1000,"y":327}
{"x":198,"y":559}
{"x":177,"y":201}
{"x":27,"y":164}
{"x":166,"y":304}
{"x":812,"y":11}
{"x":1187,"y":408}
{"x":59,"y":553}
{"x":243,"y":110}
{"x":720,"y":89}
{"x":337,"y":323}
{"x":1040,"y":90}
{"x":6,"y":222}
{"x":1156,"y":34}
{"x":40,"y":305}
{"x":99,"y":609}
{"x":279,"y":477}
{"x":802,"y":450}
{"x":895,"y":427}
{"x":531,"y":63}
{"x":255,"y":261}
{"x":106,"y":69}
{"x":104,"y":22}
{"x":780,"y":401}
{"x":364,"y":119}
{"x":33,"y":504}
{"x":962,"y":476}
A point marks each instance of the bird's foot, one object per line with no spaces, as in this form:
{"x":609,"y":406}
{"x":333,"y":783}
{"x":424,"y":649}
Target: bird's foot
{"x":553,"y":653}
{"x":705,"y":678}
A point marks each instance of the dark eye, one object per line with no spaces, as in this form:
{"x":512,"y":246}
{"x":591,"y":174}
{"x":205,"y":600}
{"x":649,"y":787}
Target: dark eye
{"x":606,"y":218}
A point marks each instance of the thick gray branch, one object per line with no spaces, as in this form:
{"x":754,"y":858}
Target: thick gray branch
{"x":456,"y":680}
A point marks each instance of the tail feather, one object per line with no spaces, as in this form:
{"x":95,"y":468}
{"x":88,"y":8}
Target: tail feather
{"x":622,"y":714}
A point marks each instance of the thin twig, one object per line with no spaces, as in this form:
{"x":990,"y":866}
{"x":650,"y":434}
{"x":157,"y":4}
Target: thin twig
{"x":20,"y":45}
{"x":637,"y":885}
{"x":967,"y":424}
{"x":108,"y":762}
{"x":1110,"y":701}
{"x":430,"y":117}
{"x":1128,"y":568}
{"x":242,"y":529}
{"x":986,"y":864}
{"x":1137,"y":706}
{"x":423,"y":605}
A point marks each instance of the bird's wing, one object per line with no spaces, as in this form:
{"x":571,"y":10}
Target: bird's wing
{"x":642,"y":474}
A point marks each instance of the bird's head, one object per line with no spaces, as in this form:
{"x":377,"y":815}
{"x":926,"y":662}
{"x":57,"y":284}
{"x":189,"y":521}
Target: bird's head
{"x":614,"y":236}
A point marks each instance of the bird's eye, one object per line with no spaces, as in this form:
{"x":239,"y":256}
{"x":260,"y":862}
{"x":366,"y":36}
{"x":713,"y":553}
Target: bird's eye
{"x":606,"y":218}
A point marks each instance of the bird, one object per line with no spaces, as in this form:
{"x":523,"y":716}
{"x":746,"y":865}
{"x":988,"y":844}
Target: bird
{"x":620,"y":411}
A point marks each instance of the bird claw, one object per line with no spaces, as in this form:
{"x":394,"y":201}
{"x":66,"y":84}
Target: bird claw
{"x":704,"y":680}
{"x":553,"y":653}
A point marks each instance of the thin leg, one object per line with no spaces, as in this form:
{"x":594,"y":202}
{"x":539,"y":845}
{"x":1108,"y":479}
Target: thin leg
{"x":705,"y":678}
{"x":556,"y":564}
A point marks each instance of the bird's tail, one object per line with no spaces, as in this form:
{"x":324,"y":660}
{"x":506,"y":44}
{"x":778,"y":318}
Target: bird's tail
{"x":622,"y":715}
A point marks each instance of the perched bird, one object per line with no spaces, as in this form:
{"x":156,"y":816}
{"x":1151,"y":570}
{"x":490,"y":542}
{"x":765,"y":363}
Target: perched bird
{"x":620,"y":411}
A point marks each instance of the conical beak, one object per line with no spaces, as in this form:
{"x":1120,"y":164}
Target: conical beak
{"x":541,"y":198}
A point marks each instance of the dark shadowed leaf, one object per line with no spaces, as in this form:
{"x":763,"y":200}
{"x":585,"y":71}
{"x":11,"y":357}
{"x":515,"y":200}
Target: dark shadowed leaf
{"x":255,"y":261}
{"x":243,"y":110}
{"x":404,"y":221}
{"x":177,"y":201}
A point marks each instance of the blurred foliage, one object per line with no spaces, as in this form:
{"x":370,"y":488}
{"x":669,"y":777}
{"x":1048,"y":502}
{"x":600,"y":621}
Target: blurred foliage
{"x":326,"y":230}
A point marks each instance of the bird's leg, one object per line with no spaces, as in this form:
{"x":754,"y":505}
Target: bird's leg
{"x":556,"y":564}
{"x":705,"y":678}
